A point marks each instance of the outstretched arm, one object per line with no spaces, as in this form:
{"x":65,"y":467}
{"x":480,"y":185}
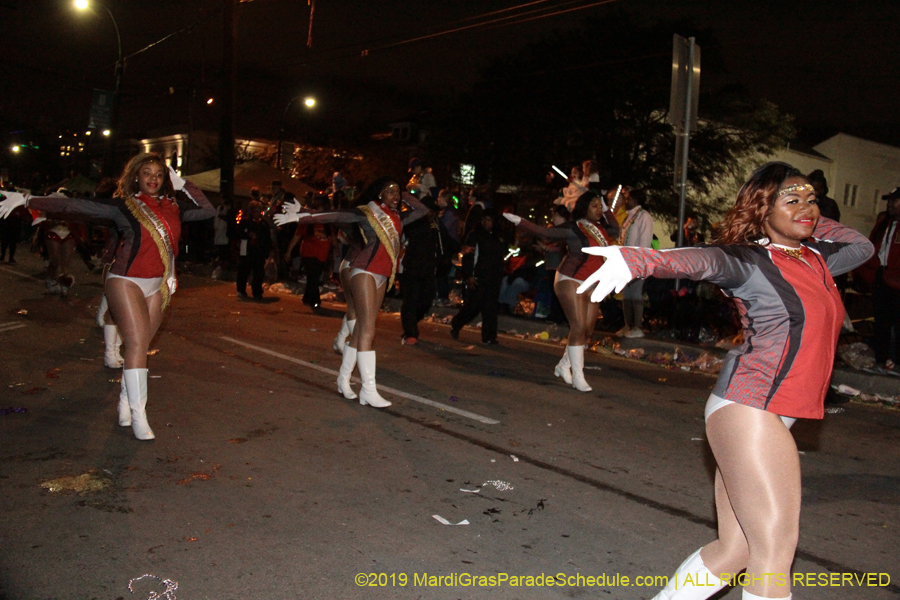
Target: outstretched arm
{"x":75,"y":206}
{"x":553,"y":233}
{"x":842,"y":247}
{"x":717,"y":264}
{"x":200,"y":209}
{"x":418,"y":211}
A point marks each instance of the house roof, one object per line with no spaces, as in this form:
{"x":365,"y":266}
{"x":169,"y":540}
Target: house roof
{"x":255,"y":173}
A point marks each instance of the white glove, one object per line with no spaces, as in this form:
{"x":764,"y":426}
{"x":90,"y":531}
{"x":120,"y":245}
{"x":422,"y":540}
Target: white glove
{"x":13,"y":201}
{"x":291,"y":213}
{"x":514,"y":219}
{"x":613,"y":275}
{"x":175,"y":178}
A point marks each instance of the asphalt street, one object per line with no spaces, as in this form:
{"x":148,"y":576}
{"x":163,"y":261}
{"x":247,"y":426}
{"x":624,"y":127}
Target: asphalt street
{"x":264,"y":483}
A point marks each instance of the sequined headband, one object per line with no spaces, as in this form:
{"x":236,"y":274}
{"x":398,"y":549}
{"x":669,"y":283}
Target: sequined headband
{"x":797,"y":187}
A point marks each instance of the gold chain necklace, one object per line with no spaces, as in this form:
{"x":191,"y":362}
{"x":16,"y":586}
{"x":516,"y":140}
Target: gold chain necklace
{"x":793,"y":252}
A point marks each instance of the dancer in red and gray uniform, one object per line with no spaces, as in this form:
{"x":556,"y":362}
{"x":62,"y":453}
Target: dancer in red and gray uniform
{"x":372,"y":272}
{"x":583,"y":231}
{"x":775,"y":256}
{"x":148,"y":215}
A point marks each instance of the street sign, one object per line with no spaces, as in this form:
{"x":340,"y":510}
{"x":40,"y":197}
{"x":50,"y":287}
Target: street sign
{"x":101,"y":110}
{"x":685,"y":83}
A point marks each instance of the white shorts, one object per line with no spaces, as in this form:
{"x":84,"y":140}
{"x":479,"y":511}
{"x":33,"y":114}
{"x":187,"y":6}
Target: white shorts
{"x":149,"y":286}
{"x":380,"y":280}
{"x":560,"y":277}
{"x":345,"y":264}
{"x":714,"y":403}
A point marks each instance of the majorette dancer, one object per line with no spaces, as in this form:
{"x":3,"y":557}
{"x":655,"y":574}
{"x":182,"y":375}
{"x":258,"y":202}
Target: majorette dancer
{"x":584,"y":230}
{"x":148,"y":215}
{"x":775,"y":256}
{"x":373,"y":270}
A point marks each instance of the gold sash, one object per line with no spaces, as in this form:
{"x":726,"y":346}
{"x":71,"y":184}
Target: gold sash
{"x":387,"y":234}
{"x":593,"y":232}
{"x":160,"y":234}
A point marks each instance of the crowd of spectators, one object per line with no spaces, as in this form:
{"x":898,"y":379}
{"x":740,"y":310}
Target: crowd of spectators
{"x":463,"y":252}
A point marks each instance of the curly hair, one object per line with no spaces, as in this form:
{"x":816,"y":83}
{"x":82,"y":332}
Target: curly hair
{"x":582,"y":204}
{"x":128,"y":182}
{"x":745,"y":222}
{"x":374,"y":190}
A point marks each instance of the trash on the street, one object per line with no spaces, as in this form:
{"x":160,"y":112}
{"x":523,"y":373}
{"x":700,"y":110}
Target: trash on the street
{"x":858,"y":355}
{"x":834,"y":410}
{"x":846,"y":390}
{"x":82,"y":484}
{"x":444,"y":521}
{"x":514,"y":457}
{"x":168,"y":593}
{"x":22,"y":312}
{"x":153,"y":352}
{"x":502,"y":486}
{"x":13,"y":410}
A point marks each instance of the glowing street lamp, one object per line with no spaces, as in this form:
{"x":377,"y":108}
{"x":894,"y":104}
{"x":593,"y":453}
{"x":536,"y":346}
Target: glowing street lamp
{"x":15,"y":149}
{"x":120,"y":68}
{"x":309,"y":102}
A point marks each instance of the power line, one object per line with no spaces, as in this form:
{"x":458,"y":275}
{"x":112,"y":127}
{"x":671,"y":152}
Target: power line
{"x":498,"y":22}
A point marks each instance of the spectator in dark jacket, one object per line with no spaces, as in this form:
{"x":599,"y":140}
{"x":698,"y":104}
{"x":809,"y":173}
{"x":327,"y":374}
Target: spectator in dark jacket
{"x":254,"y":234}
{"x":425,"y":241}
{"x":483,"y":260}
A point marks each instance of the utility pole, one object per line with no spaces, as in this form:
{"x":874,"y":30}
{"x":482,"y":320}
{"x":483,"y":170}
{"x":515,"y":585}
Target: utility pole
{"x":226,"y":131}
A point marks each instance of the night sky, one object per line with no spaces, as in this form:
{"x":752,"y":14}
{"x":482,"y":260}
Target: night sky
{"x":833,"y":65}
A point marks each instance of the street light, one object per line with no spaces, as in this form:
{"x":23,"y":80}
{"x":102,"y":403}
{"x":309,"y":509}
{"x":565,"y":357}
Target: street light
{"x":309,"y":102}
{"x":120,"y":68}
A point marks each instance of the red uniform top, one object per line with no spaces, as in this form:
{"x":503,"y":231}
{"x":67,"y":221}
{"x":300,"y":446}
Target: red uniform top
{"x":315,"y":241}
{"x":374,"y":257}
{"x":593,"y":262}
{"x":806,"y":381}
{"x":790,"y":310}
{"x":147,"y":263}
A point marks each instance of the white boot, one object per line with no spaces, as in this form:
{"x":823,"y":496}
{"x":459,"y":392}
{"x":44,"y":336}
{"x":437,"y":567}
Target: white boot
{"x":745,"y":595}
{"x":576,"y":359}
{"x":101,"y":311}
{"x":369,"y":393}
{"x":124,"y":408}
{"x":111,"y":357}
{"x":564,"y":368}
{"x":343,"y":380}
{"x":691,"y":581}
{"x":341,"y":340}
{"x":136,"y":386}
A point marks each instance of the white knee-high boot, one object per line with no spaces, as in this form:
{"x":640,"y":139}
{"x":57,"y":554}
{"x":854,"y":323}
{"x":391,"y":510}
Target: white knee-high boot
{"x":341,"y":339}
{"x":369,"y":393}
{"x":343,"y":380}
{"x":112,"y":342}
{"x":564,"y":368}
{"x":576,"y":359}
{"x":136,"y":386}
{"x":745,"y":595}
{"x":124,"y":408}
{"x":691,"y":581}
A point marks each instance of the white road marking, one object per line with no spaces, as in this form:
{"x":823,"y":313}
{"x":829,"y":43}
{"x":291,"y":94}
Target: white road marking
{"x":384,"y":388}
{"x":20,"y":274}
{"x":10,"y":326}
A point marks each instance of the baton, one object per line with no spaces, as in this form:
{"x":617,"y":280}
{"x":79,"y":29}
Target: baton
{"x":561,"y":174}
{"x":616,"y":198}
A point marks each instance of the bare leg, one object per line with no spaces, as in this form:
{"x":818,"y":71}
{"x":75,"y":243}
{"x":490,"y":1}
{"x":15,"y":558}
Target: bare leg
{"x":348,"y":294}
{"x":757,"y":498}
{"x":590,"y":311}
{"x":138,"y":319}
{"x":569,"y":300}
{"x":367,"y":299}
